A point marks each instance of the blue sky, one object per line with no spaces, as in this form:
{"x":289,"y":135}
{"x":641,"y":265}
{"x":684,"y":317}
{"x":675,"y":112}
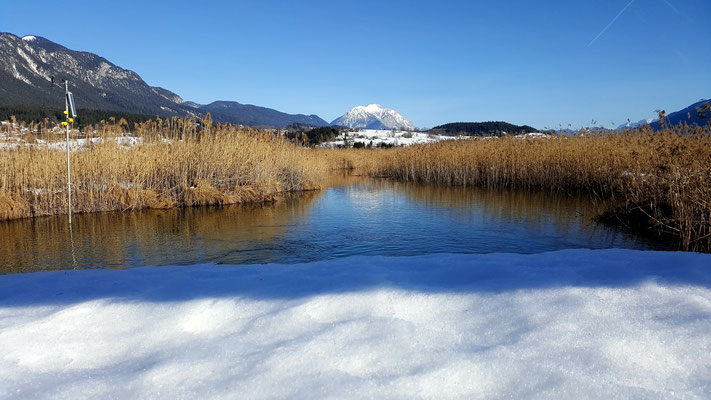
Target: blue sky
{"x":528,"y":62}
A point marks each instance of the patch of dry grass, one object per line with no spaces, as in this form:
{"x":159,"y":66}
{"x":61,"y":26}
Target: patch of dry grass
{"x":657,"y":180}
{"x":177,"y":165}
{"x":11,"y":207}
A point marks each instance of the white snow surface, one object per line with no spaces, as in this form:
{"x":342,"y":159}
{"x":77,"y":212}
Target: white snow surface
{"x":15,"y":141}
{"x":373,"y":116}
{"x":534,"y":135}
{"x":406,"y":138}
{"x":390,"y":137}
{"x":567,"y":324}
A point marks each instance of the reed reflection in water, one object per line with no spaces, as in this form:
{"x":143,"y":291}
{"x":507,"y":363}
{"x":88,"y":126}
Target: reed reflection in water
{"x":149,"y":237}
{"x":353,"y":216}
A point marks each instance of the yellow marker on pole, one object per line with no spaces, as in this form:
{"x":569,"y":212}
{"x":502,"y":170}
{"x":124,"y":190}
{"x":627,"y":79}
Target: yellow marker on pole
{"x":70,"y":112}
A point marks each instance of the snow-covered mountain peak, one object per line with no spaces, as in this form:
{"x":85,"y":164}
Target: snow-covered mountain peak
{"x":371,"y":108}
{"x":373,"y":116}
{"x":29,"y":38}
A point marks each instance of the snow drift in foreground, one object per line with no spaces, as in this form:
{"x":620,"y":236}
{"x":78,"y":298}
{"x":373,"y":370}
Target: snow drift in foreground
{"x":566,"y":324}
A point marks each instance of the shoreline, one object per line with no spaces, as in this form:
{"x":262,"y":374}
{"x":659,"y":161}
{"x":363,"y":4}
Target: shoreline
{"x":199,"y":196}
{"x":661,"y":181}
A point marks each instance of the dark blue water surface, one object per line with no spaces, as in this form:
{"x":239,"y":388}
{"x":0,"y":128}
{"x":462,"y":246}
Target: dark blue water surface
{"x":354,"y":216}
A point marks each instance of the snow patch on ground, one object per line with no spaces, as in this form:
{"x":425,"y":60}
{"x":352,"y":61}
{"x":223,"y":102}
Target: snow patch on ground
{"x":15,"y":141}
{"x":567,"y":324}
{"x":129,"y":141}
{"x":10,"y":141}
{"x":408,"y":138}
{"x":534,"y":135}
{"x":74,"y":144}
{"x":386,"y":136}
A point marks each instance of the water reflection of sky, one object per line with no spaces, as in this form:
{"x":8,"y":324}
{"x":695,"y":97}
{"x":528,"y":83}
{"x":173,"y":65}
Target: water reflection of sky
{"x":355,"y":217}
{"x":380,"y":217}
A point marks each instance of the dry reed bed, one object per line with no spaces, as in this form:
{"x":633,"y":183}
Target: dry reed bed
{"x":659,"y":180}
{"x":201,"y":164}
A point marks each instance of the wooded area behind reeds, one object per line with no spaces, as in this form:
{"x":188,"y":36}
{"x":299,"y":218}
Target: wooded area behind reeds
{"x":659,"y":181}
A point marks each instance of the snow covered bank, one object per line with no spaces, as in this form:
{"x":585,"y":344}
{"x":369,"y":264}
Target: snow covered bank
{"x":567,"y":324}
{"x":14,"y":142}
{"x":376,"y":137}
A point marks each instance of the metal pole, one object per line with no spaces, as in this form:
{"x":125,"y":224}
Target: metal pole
{"x":69,"y":171}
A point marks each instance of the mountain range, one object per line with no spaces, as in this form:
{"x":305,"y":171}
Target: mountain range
{"x":698,"y":113}
{"x":28,"y":64}
{"x":373,"y":116}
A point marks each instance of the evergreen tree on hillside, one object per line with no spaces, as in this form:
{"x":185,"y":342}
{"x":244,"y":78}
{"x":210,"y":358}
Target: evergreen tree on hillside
{"x":491,"y":128}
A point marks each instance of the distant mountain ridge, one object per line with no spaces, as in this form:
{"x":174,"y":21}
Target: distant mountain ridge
{"x":698,"y":113}
{"x":247,"y":114}
{"x":373,"y":116}
{"x":28,"y":63}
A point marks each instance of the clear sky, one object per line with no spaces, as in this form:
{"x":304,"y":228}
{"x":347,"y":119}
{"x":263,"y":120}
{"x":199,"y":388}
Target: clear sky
{"x":541,"y":63}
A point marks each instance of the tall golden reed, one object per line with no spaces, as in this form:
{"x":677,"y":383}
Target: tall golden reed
{"x":179,"y":163}
{"x":658,"y":180}
{"x":661,"y":180}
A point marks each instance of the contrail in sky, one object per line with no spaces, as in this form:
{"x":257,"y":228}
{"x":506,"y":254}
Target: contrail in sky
{"x":676,"y":10}
{"x":610,"y":24}
{"x":672,"y":7}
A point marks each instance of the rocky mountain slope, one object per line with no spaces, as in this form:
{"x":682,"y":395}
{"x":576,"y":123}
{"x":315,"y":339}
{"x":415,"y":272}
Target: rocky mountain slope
{"x":698,"y":113}
{"x":373,"y":116}
{"x":28,"y":64}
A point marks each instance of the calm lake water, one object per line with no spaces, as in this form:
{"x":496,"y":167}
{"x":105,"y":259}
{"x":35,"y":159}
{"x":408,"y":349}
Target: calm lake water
{"x":354,"y":216}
